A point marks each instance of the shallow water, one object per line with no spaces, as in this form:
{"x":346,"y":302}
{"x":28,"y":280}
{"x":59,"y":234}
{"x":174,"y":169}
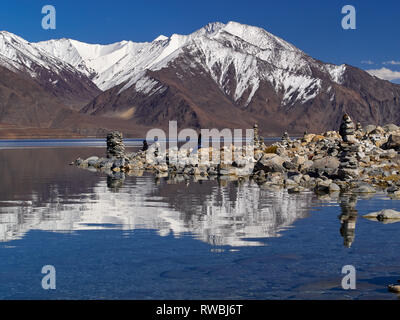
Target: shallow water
{"x":147,"y":238}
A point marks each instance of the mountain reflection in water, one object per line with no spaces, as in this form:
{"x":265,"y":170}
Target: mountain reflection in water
{"x":59,"y":198}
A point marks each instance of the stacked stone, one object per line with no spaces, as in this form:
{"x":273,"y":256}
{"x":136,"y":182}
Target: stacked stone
{"x":285,"y":139}
{"x":257,"y":139}
{"x":348,"y":168}
{"x":115,"y":145}
{"x":359,"y":131}
{"x":347,"y":129}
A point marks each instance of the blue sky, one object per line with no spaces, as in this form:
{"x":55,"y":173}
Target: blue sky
{"x":312,"y":25}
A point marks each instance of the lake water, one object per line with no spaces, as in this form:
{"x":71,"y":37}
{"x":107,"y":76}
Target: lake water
{"x":147,"y":238}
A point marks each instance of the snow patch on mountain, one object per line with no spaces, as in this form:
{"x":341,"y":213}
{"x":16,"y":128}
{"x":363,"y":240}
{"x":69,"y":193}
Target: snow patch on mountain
{"x":336,"y":72}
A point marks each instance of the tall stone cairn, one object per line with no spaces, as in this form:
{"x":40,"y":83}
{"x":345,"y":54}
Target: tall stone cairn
{"x":348,"y":168}
{"x":115,"y":145}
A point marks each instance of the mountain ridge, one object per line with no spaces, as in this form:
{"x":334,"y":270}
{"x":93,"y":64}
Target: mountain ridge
{"x":221,"y":75}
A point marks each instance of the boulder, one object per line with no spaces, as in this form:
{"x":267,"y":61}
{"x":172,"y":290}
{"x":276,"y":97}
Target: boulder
{"x":393,"y":142}
{"x":390,"y":127}
{"x":92,"y":161}
{"x":369,"y":128}
{"x":364,"y":189}
{"x":333,"y":187}
{"x":274,"y":164}
{"x":383,"y":214}
{"x":326,"y":164}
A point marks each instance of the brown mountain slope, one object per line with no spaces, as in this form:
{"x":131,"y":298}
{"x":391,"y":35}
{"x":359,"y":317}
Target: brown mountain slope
{"x":23,"y":102}
{"x":27,"y":110}
{"x":187,"y":93}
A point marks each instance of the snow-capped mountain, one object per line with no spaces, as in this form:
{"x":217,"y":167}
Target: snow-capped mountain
{"x":222,"y":75}
{"x":255,"y":54}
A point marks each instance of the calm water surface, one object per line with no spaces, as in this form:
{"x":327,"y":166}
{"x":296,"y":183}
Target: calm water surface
{"x":147,"y":238}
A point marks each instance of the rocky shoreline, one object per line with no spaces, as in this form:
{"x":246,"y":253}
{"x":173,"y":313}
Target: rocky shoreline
{"x":355,"y":159}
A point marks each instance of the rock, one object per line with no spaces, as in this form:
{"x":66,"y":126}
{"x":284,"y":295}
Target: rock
{"x":317,"y":138}
{"x":288,"y":165}
{"x":118,"y":163}
{"x":290,"y":183}
{"x":295,"y":189}
{"x":333,"y":187}
{"x":161,"y":168}
{"x":297,"y":178}
{"x":92,"y":160}
{"x":78,"y":162}
{"x":323,"y":186}
{"x":383,"y":214}
{"x":299,"y":160}
{"x":392,"y":189}
{"x":306,"y":165}
{"x":308,"y":137}
{"x":326,"y":164}
{"x":274,"y":164}
{"x":369,"y":128}
{"x":364,"y":189}
{"x":390,"y":127}
{"x":395,"y":288}
{"x":393,"y":142}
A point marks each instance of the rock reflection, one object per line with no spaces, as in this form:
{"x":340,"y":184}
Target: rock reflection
{"x":220,"y":212}
{"x":115,"y":180}
{"x":348,"y":218}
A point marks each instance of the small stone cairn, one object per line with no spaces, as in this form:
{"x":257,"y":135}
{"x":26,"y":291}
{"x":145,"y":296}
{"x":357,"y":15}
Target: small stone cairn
{"x":359,"y":131}
{"x":115,"y":145}
{"x":285,"y":139}
{"x":258,"y":140}
{"x":348,"y":168}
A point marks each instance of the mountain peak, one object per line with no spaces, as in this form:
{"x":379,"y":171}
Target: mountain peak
{"x":160,"y":38}
{"x":8,"y":36}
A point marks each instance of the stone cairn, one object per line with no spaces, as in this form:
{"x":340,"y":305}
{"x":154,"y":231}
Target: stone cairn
{"x":359,"y":131}
{"x":348,"y":168}
{"x":258,"y":141}
{"x":115,"y":145}
{"x":285,"y":139}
